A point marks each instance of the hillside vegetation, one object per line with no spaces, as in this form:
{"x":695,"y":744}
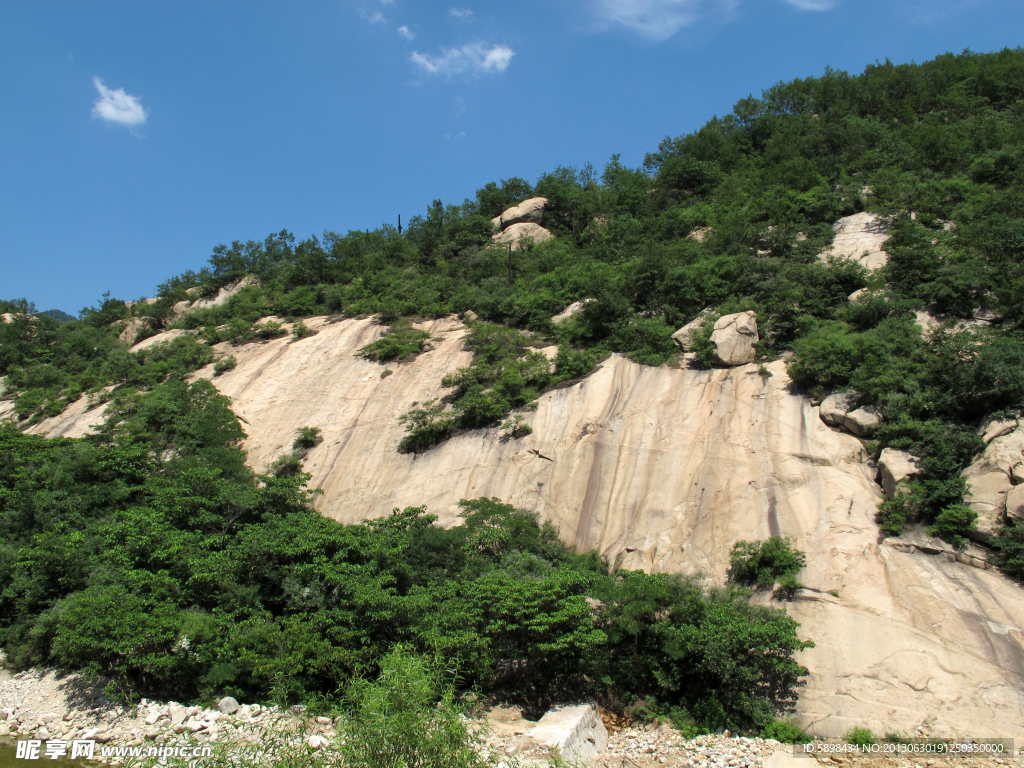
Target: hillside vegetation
{"x":234,"y":584}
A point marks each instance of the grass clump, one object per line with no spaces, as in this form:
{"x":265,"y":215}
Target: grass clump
{"x":400,"y":342}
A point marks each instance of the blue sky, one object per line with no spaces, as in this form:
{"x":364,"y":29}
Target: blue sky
{"x":136,"y":136}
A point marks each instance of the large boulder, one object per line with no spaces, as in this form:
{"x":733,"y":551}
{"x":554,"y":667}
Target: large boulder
{"x":833,"y":408}
{"x":734,"y":338}
{"x":894,"y":467}
{"x":990,"y":476}
{"x":527,"y":212}
{"x":684,"y":336}
{"x":862,"y":422}
{"x":518,"y":233}
{"x":861,"y":238}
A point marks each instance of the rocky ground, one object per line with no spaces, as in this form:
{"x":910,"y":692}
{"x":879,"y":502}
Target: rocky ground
{"x":42,"y":704}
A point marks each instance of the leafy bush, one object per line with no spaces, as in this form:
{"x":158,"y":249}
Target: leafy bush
{"x":954,"y":523}
{"x":400,"y":342}
{"x":763,"y":563}
{"x":786,"y":732}
{"x":224,"y":365}
{"x":860,"y":737}
{"x":269,"y":329}
{"x":407,"y":717}
{"x":1008,"y":544}
{"x":301,"y":330}
{"x":516,"y":427}
{"x":308,"y":437}
{"x":286,"y":466}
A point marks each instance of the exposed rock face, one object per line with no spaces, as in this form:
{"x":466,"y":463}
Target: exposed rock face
{"x":734,"y":338}
{"x":571,"y":311}
{"x":893,"y":468}
{"x":700,"y":234}
{"x":131,"y":330}
{"x":860,"y":237}
{"x":665,"y":469}
{"x":684,"y":336}
{"x":990,"y":477}
{"x":529,"y":211}
{"x":516,"y":233}
{"x":1015,"y":503}
{"x":224,"y":294}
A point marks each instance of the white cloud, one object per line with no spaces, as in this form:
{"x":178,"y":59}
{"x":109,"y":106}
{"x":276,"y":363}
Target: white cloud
{"x":116,"y":106}
{"x":405,"y":32}
{"x":460,"y":13}
{"x":376,"y":18}
{"x":814,"y":5}
{"x":476,"y":58}
{"x":658,"y":19}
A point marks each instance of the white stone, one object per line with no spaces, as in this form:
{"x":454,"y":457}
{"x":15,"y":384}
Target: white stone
{"x":576,"y":732}
{"x":1015,"y":503}
{"x":177,"y":713}
{"x":227,"y":705}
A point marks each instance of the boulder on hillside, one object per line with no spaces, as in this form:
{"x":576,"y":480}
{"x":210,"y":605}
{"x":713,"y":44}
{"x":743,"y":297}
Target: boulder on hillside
{"x":859,"y":237}
{"x":518,"y":233}
{"x":894,"y":467}
{"x":684,"y":336}
{"x":527,"y":212}
{"x":571,"y":311}
{"x":833,"y":408}
{"x":862,"y":422}
{"x":734,"y":338}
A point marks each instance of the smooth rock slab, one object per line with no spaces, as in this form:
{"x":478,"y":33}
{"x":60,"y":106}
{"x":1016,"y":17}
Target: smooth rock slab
{"x":862,"y":422}
{"x":571,"y":311}
{"x":576,"y":732}
{"x":684,"y":336}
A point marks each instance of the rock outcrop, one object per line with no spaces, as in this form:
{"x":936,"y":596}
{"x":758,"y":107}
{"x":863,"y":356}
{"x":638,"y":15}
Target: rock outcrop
{"x":529,"y":211}
{"x":521,"y":223}
{"x":991,"y":477}
{"x":894,"y":467}
{"x":665,"y":469}
{"x":734,"y":338}
{"x":571,"y":311}
{"x":860,"y":237}
{"x":575,"y":733}
{"x":517,"y":234}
